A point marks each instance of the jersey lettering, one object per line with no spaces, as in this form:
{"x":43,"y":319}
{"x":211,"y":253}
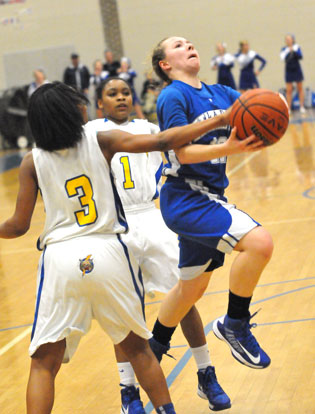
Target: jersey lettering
{"x":128,"y":183}
{"x":81,"y":187}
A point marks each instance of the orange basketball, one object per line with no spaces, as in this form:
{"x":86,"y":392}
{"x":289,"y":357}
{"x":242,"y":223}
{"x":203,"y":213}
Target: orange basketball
{"x":260,"y":112}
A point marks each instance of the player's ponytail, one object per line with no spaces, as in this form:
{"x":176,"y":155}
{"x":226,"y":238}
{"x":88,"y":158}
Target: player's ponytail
{"x":158,"y":54}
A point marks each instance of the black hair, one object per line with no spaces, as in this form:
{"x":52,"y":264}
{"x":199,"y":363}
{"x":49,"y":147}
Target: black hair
{"x":158,"y":54}
{"x":102,"y":85}
{"x":55,"y":117}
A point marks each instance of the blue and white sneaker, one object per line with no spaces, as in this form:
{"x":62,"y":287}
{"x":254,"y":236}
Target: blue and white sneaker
{"x":209,"y":389}
{"x":166,"y":409}
{"x":130,"y":401}
{"x":244,"y":347}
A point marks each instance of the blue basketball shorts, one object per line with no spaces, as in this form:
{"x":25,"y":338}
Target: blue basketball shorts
{"x":207,"y":225}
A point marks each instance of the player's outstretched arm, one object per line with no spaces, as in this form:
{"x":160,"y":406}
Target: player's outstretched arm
{"x":119,"y":141}
{"x":192,"y":154}
{"x":19,"y":223}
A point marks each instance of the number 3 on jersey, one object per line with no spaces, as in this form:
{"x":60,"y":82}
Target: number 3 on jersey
{"x":88,"y":214}
{"x":128,"y":183}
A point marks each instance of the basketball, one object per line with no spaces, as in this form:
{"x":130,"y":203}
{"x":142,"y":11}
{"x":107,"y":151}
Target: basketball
{"x":260,"y":112}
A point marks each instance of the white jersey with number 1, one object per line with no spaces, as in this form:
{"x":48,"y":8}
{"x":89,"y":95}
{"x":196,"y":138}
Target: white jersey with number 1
{"x":137,"y":179}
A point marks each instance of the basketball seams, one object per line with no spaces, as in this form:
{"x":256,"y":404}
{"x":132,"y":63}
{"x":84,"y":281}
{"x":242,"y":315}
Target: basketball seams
{"x":260,"y":123}
{"x":270,"y":107}
{"x":256,"y":119}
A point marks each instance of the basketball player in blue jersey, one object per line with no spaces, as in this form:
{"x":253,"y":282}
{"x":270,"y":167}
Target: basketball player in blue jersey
{"x":291,"y":54}
{"x":193,"y":205}
{"x":85,"y":270}
{"x":223,"y":62}
{"x":246,"y":59}
{"x":152,"y":243}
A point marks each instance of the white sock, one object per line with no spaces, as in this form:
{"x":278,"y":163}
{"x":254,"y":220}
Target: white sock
{"x":126,"y":373}
{"x":202,"y":356}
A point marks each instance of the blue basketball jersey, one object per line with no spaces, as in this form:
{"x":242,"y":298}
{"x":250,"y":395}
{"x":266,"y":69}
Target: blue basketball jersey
{"x":181,"y":104}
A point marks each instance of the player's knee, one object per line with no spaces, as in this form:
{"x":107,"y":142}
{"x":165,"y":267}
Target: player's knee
{"x":192,"y":292}
{"x":264,"y":244}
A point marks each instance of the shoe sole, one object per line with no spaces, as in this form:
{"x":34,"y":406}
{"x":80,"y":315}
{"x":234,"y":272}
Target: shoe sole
{"x":202,"y":395}
{"x":234,"y":353}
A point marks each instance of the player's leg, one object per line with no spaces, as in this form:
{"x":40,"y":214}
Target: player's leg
{"x":208,"y":386}
{"x":289,"y":90}
{"x":180,"y":299}
{"x":300,"y":89}
{"x":255,"y":249}
{"x":130,"y":394}
{"x":148,"y":371}
{"x":45,"y":365}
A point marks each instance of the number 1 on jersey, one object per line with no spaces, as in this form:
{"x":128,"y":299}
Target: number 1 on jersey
{"x":128,"y":183}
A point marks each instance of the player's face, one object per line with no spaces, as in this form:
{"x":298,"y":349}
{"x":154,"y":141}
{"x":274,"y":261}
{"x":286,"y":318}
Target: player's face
{"x":181,"y":55}
{"x":289,"y":40}
{"x":245,"y":48}
{"x":116,"y":101}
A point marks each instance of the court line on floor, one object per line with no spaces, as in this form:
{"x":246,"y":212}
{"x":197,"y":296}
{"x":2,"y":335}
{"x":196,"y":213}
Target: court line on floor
{"x":287,"y":221}
{"x":260,"y":285}
{"x":14,"y":341}
{"x":187,"y":355}
{"x":241,"y":164}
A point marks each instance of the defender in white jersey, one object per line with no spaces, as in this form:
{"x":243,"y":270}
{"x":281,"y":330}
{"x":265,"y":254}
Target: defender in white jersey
{"x":154,"y":245}
{"x":85,"y":271}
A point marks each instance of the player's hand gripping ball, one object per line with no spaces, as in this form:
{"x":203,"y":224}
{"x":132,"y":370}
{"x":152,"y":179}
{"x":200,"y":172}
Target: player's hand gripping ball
{"x":260,"y":112}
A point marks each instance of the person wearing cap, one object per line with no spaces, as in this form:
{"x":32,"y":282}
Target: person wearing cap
{"x":77,"y":75}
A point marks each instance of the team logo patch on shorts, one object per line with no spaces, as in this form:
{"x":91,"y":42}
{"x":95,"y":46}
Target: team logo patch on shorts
{"x":86,"y":265}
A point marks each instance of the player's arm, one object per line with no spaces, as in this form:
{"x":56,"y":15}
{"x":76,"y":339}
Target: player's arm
{"x":19,"y":223}
{"x":262,"y":65}
{"x":192,"y":154}
{"x":118,"y":141}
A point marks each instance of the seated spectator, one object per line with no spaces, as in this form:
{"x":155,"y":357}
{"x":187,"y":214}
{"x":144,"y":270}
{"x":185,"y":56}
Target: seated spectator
{"x":39,"y":80}
{"x":150,"y":83}
{"x":150,"y":92}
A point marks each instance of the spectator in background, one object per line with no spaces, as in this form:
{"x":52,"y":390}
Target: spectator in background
{"x":95,"y":79}
{"x":128,"y":74}
{"x":77,"y":75}
{"x":223,"y":62}
{"x":150,"y":92}
{"x":39,"y":80}
{"x":292,"y":54}
{"x":246,"y":59}
{"x":150,"y":83}
{"x":110,"y":64}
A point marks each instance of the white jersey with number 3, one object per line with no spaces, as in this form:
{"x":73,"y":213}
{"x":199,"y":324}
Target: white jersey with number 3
{"x":79,"y":180}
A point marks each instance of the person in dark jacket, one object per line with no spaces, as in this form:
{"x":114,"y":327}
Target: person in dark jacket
{"x":77,"y":75}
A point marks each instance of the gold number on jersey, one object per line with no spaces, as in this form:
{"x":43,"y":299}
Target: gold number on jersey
{"x":81,"y":187}
{"x":128,"y":183}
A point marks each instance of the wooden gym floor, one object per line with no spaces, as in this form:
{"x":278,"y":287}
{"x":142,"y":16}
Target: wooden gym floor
{"x":276,"y":187}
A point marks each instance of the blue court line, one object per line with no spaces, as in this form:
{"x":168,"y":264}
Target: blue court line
{"x":16,"y":327}
{"x":187,"y":355}
{"x":302,"y":120}
{"x":262,"y":285}
{"x":205,"y":294}
{"x":308,"y":193}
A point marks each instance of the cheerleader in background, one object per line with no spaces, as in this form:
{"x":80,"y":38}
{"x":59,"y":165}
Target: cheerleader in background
{"x":248,"y":74}
{"x":223,"y":62}
{"x":291,"y":54}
